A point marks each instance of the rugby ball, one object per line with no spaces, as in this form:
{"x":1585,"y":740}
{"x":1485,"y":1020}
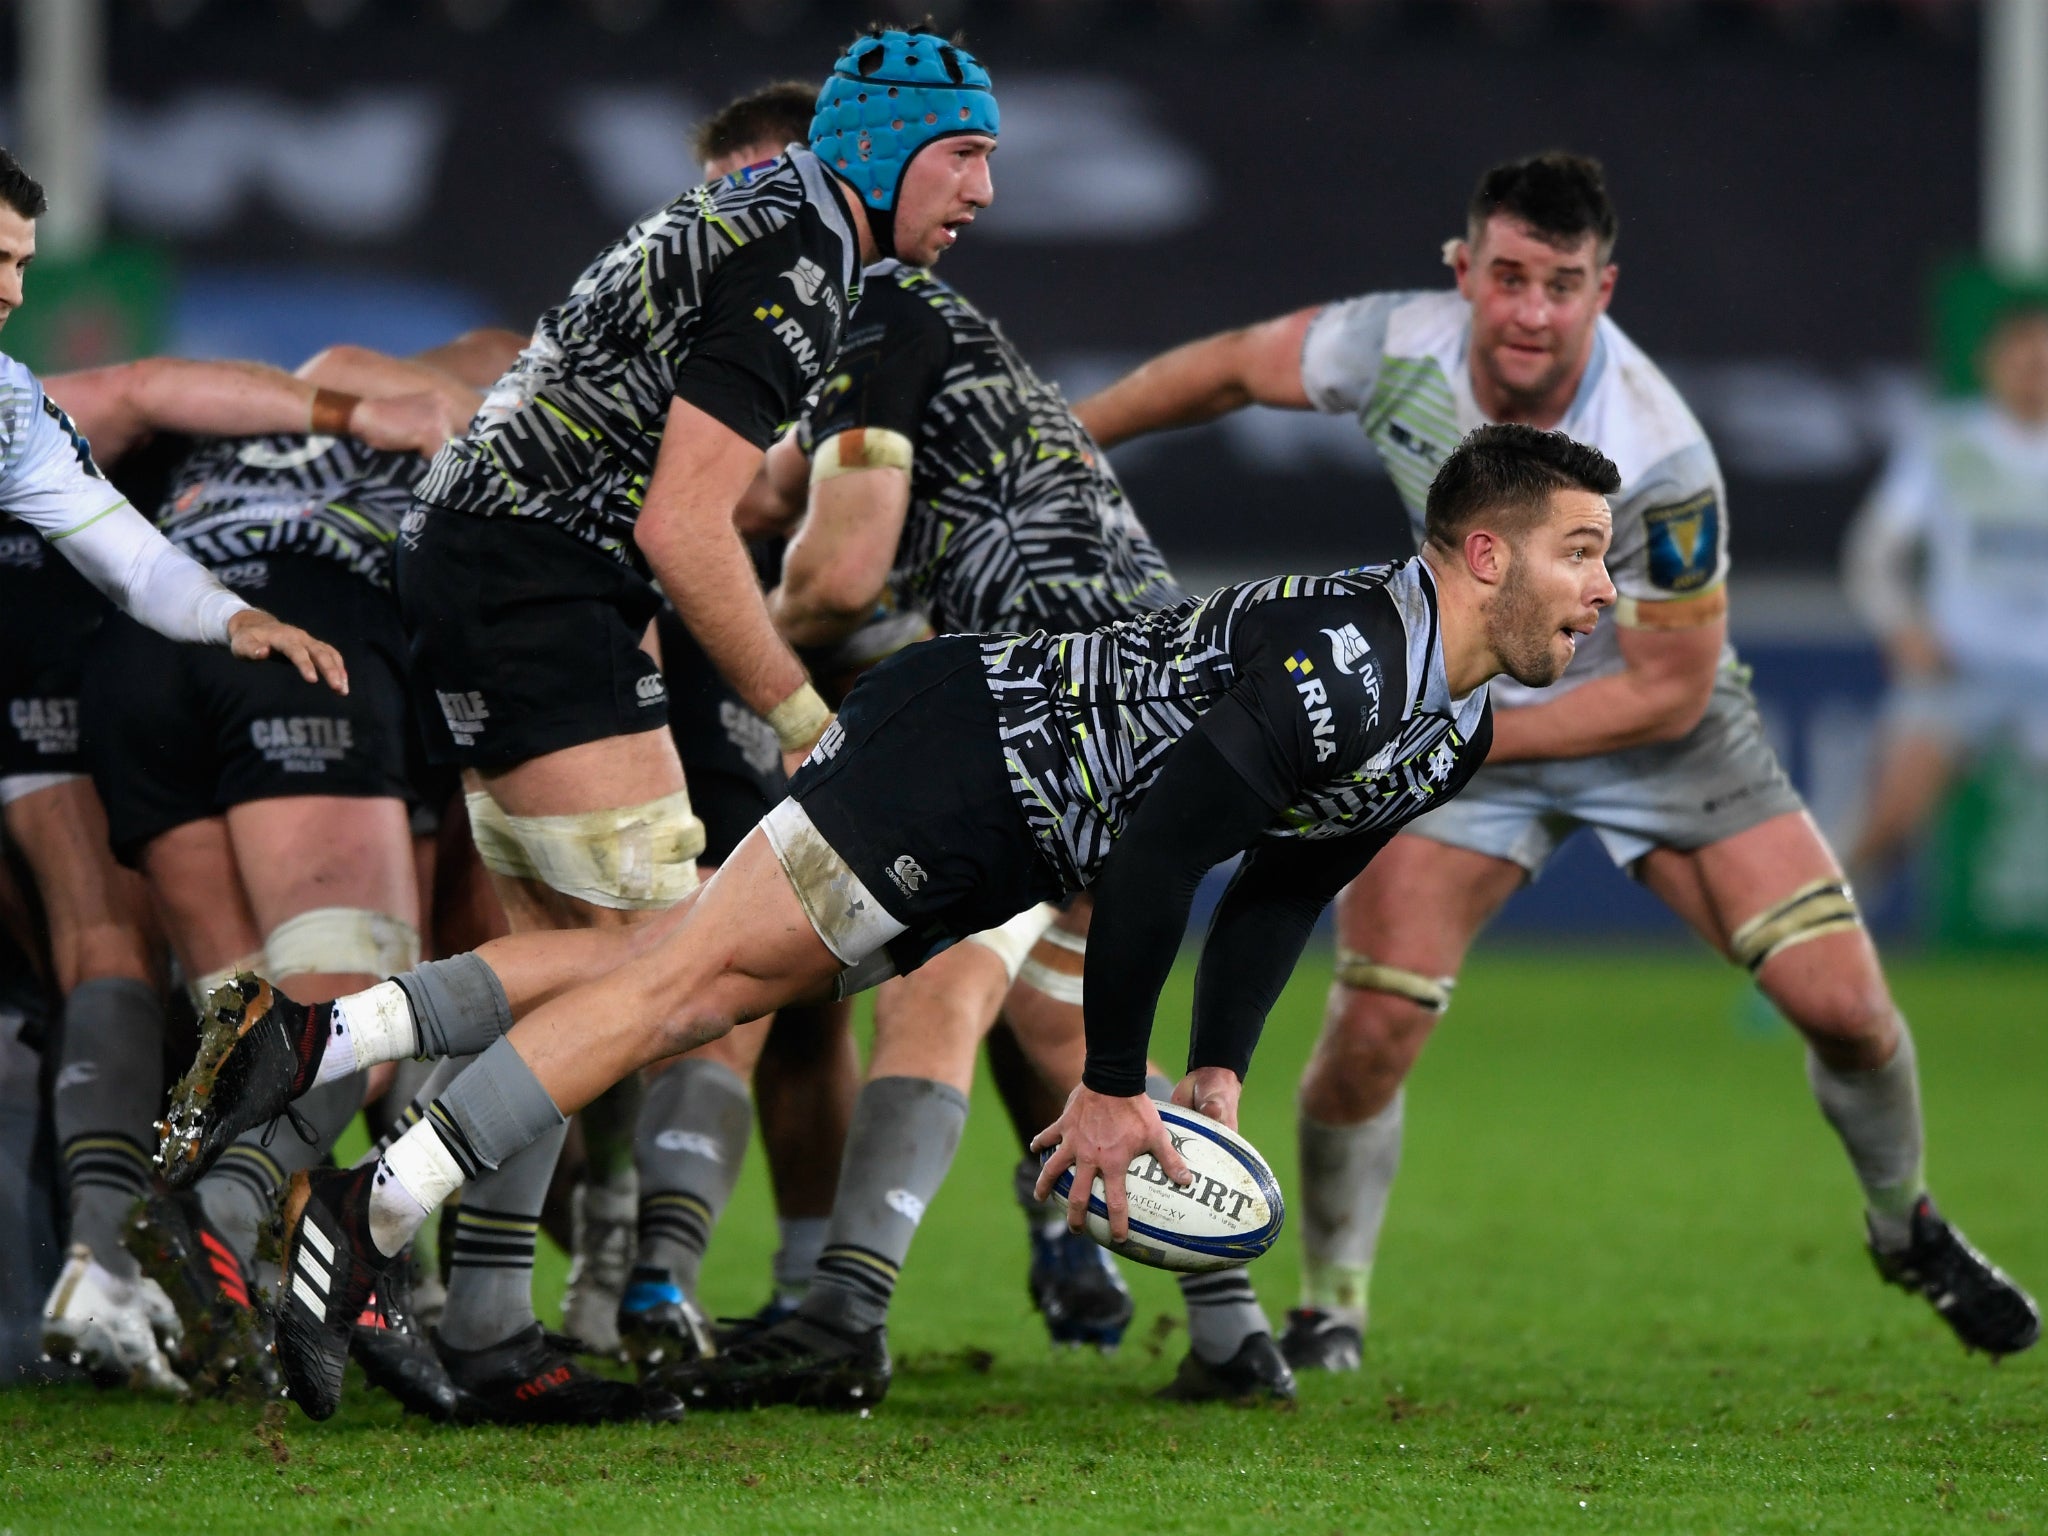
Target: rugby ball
{"x":1230,"y":1214}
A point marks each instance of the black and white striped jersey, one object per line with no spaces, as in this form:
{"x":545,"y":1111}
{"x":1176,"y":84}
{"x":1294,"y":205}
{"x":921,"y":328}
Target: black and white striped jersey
{"x":232,"y":498}
{"x":731,"y":299}
{"x":1327,"y":693}
{"x":1016,"y":519}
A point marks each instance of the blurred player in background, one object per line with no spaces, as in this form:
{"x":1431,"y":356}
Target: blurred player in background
{"x":269,"y":819}
{"x":1653,"y":742}
{"x":106,"y":955}
{"x":1948,"y":563}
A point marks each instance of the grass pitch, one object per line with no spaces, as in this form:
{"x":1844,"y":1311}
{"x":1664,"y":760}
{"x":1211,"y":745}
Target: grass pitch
{"x":1621,"y":1290}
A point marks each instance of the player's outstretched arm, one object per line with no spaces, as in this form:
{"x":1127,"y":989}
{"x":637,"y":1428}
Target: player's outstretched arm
{"x":686,"y":532}
{"x":837,"y":567}
{"x":1258,"y":365}
{"x":1672,"y":651}
{"x":1199,"y":812}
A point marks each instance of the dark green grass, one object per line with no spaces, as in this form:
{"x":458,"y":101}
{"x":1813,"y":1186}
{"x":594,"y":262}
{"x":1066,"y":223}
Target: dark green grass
{"x":1622,"y":1290}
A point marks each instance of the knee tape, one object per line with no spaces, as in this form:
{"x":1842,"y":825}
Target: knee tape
{"x":1811,"y":912}
{"x":1011,"y":943}
{"x":342,"y":941}
{"x":200,"y":988}
{"x":1363,"y":974}
{"x":630,"y":858}
{"x":1060,"y":986}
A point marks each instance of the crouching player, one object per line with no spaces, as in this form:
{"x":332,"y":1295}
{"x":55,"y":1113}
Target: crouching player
{"x":1297,"y":720}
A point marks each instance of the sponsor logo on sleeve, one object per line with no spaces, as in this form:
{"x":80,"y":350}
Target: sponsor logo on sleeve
{"x":790,"y":332}
{"x":1315,"y":702}
{"x":1684,"y":542}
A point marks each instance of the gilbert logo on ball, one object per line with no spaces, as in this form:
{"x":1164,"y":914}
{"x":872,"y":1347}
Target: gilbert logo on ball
{"x":1231,"y":1213}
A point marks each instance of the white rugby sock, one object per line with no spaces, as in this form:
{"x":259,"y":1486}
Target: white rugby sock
{"x":366,"y":1028}
{"x":413,"y":1178}
{"x":1347,"y":1172}
{"x":1877,"y":1115}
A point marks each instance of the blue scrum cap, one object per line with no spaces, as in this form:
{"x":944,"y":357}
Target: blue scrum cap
{"x":890,"y":94}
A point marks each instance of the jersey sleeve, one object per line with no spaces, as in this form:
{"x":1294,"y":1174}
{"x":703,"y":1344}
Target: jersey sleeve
{"x":770,"y":329}
{"x":1321,"y":687}
{"x":49,"y":479}
{"x":893,"y":362}
{"x":1340,"y":355}
{"x":1881,"y":554}
{"x":1671,"y":529}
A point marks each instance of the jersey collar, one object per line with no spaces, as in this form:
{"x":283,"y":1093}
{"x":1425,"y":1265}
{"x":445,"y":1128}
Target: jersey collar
{"x":1417,"y":599}
{"x":823,"y":190}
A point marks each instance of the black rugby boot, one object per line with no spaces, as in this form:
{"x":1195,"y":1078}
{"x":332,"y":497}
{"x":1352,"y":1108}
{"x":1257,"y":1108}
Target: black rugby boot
{"x":658,"y":1325}
{"x":1974,"y":1296}
{"x":1077,"y":1290}
{"x":1321,"y":1341}
{"x":397,"y":1356}
{"x":331,"y":1269}
{"x":225,"y":1348}
{"x":258,"y":1051}
{"x":535,"y":1378}
{"x":799,"y":1360}
{"x":1256,"y":1373}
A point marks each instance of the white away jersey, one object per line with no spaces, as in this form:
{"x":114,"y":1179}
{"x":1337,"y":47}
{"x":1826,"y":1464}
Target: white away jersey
{"x":1971,"y":491}
{"x":1397,"y":361}
{"x":47,"y":476}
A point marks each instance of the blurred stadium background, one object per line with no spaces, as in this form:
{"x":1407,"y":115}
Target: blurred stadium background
{"x":1800,"y":183}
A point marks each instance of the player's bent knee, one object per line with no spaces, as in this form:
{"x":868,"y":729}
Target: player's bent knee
{"x":342,"y":941}
{"x":632,"y":858}
{"x":1361,"y":973}
{"x":1814,"y":911}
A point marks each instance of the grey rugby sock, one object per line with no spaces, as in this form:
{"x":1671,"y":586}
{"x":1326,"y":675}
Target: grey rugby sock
{"x":1223,"y":1311}
{"x":490,"y":1272}
{"x":240,"y":1192}
{"x":458,"y":1006}
{"x":905,"y":1131}
{"x":1877,"y":1116}
{"x":796,"y":1259}
{"x":108,"y":1090}
{"x":494,"y":1110}
{"x":691,"y":1142}
{"x":1347,"y":1173}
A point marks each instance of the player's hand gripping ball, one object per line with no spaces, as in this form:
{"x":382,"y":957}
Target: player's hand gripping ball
{"x":1230,"y":1213}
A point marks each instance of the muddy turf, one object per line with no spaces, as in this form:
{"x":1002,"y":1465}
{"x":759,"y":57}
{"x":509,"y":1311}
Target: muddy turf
{"x":1622,"y":1289}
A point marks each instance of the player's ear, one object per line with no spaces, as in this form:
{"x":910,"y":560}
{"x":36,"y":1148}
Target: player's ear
{"x":1458,"y":257}
{"x":1486,"y":556}
{"x":1608,"y":276}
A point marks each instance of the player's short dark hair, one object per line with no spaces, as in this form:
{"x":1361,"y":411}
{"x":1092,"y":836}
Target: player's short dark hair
{"x":19,"y":190}
{"x":1561,"y":197}
{"x":780,"y":114}
{"x":1504,"y":475}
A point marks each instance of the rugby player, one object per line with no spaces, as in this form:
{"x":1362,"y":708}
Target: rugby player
{"x":1297,"y":720}
{"x":608,"y":458}
{"x":1948,"y":563}
{"x":943,"y":477}
{"x":279,"y":838}
{"x":1655,"y":743}
{"x":106,"y":959}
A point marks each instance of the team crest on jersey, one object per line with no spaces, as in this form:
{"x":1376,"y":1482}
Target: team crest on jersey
{"x":1347,"y":645}
{"x":1684,"y":543}
{"x":807,"y":278}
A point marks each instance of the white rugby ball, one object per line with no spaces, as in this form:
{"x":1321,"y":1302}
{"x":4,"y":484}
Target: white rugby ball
{"x":1230,"y":1214}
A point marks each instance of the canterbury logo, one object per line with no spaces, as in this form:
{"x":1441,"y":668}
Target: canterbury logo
{"x":807,"y":278}
{"x":650,"y":688}
{"x":905,"y":1204}
{"x":908,"y":874}
{"x":694,"y":1142}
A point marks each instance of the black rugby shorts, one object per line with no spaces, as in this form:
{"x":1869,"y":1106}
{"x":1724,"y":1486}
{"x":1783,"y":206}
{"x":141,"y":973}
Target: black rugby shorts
{"x":731,"y":759}
{"x":176,"y":733}
{"x":525,"y":640}
{"x":48,"y":615}
{"x":910,"y":788}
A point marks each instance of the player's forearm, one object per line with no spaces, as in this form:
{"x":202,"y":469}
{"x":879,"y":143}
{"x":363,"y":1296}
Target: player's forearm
{"x":703,"y":566}
{"x":1182,"y":388}
{"x":1256,"y":939}
{"x":811,"y":615}
{"x":375,"y":375}
{"x":145,"y":577}
{"x":1609,"y":714}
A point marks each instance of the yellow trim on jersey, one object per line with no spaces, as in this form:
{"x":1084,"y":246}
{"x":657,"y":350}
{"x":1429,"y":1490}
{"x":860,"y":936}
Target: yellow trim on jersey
{"x":81,"y":527}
